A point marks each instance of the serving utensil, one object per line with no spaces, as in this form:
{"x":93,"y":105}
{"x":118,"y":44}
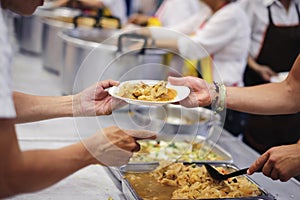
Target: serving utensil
{"x":215,"y":174}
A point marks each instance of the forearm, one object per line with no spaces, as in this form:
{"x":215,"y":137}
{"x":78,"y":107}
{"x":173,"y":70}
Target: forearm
{"x":162,"y":39}
{"x":31,"y":108}
{"x":42,"y":168}
{"x":252,"y":63}
{"x":167,"y":44}
{"x":274,"y":98}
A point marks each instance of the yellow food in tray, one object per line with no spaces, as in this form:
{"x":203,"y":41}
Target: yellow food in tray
{"x":179,"y":181}
{"x":153,"y":151}
{"x":143,"y":91}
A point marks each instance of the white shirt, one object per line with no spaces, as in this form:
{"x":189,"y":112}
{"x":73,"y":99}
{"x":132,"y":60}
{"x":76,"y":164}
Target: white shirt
{"x":7,"y":109}
{"x":258,"y":16}
{"x":173,"y":12}
{"x":226,"y":37}
{"x":117,"y":8}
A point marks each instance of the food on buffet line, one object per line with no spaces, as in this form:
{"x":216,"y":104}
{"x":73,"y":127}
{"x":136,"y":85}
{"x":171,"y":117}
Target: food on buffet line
{"x":142,"y":91}
{"x":179,"y":181}
{"x":152,"y":151}
{"x":185,"y":120}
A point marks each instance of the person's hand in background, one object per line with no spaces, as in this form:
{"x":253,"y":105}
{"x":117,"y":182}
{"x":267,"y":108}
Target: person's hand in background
{"x":265,"y":72}
{"x":138,"y":19}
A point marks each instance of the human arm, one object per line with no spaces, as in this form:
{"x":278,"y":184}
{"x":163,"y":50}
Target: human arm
{"x":31,"y":108}
{"x":138,"y":19}
{"x":282,"y":162}
{"x":210,"y":39}
{"x":28,"y":171}
{"x":158,"y":37}
{"x":90,"y":102}
{"x":41,"y":167}
{"x":263,"y":70}
{"x":272,"y":98}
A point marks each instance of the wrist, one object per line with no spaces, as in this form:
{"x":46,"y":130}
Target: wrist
{"x":88,"y":158}
{"x":218,"y":96}
{"x":151,"y":43}
{"x":256,"y":67}
{"x":76,"y":108}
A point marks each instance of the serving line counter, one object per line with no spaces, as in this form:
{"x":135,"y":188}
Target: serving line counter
{"x":96,"y":182}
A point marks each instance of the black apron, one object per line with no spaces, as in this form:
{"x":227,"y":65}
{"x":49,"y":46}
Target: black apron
{"x":280,"y":49}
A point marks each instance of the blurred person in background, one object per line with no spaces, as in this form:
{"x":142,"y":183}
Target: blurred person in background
{"x":275,"y":44}
{"x":32,"y":170}
{"x":281,"y":162}
{"x":170,"y":13}
{"x":224,"y":33}
{"x":116,"y":8}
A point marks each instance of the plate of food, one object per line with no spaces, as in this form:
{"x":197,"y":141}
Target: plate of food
{"x":149,"y":92}
{"x":280,"y":77}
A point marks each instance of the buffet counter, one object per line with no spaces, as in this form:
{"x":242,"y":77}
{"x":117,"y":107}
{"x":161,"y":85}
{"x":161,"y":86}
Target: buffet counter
{"x":96,"y":182}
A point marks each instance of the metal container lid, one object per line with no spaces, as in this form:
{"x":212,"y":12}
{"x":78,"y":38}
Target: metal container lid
{"x":61,"y":12}
{"x":91,"y":34}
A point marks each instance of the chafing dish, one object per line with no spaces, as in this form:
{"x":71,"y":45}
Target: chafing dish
{"x":132,"y":194}
{"x":197,"y":150}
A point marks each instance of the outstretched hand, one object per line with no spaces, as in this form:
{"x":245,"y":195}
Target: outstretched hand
{"x":95,"y":100}
{"x":200,"y":94}
{"x":113,"y":146}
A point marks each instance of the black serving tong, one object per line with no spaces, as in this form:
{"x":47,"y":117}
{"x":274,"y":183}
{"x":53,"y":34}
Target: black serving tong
{"x":215,"y":174}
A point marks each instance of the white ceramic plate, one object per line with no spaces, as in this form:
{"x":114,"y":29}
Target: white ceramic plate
{"x":280,"y":77}
{"x":182,"y":93}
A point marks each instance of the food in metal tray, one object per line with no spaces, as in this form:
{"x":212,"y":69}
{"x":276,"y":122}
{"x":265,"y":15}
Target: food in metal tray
{"x":143,"y":91}
{"x":153,"y":151}
{"x":179,"y":181}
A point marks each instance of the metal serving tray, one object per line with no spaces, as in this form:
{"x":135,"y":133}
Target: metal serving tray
{"x":216,"y":149}
{"x":207,"y":145}
{"x":131,"y":194}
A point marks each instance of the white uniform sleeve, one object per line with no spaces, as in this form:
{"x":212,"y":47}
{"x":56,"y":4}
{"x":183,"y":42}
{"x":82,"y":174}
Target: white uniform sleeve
{"x":174,"y":12}
{"x":248,"y":7}
{"x":117,"y":8}
{"x":191,"y":25}
{"x":7,"y":109}
{"x":219,"y":31}
{"x":187,"y":27}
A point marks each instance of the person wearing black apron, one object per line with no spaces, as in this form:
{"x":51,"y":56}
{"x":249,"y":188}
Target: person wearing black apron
{"x":279,"y":50}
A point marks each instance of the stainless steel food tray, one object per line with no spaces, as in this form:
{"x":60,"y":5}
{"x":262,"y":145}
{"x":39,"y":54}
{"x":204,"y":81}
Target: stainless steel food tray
{"x":209,"y":147}
{"x":131,"y":194}
{"x":215,"y":148}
